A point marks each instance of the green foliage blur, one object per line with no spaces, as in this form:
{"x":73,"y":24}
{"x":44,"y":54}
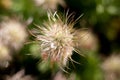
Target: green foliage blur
{"x":101,"y":17}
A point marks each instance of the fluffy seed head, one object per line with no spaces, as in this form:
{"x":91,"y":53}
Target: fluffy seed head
{"x":87,"y":40}
{"x":56,"y":38}
{"x":12,"y":33}
{"x":50,"y":4}
{"x":112,"y":64}
{"x":111,"y":67}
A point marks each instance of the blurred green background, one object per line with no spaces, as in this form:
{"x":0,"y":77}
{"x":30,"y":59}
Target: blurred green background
{"x":100,"y":44}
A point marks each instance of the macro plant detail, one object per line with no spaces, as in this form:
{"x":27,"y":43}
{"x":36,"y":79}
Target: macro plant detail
{"x":12,"y":38}
{"x":57,"y":38}
{"x":14,"y":33}
{"x":38,"y":43}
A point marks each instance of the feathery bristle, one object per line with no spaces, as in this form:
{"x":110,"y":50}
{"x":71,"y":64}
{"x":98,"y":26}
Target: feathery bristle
{"x":56,"y":38}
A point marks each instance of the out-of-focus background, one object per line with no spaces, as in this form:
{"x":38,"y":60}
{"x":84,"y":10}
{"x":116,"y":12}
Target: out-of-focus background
{"x":100,"y":40}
